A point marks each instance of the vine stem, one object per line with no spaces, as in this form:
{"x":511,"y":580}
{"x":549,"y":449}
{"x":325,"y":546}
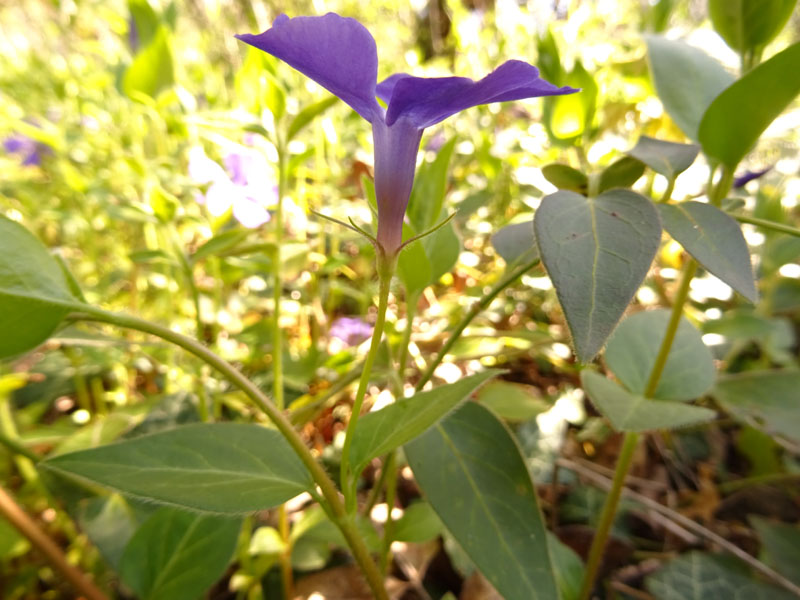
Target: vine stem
{"x":766,"y":224}
{"x":39,"y":539}
{"x":326,"y":486}
{"x":348,"y":480}
{"x":473,"y":312}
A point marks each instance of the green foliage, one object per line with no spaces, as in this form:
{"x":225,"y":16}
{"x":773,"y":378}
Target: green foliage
{"x":220,"y":468}
{"x":516,"y":243}
{"x":152,"y":69}
{"x":565,"y":177}
{"x":621,"y":173}
{"x":492,"y":512}
{"x":749,"y":25}
{"x":668,"y":158}
{"x":597,"y":251}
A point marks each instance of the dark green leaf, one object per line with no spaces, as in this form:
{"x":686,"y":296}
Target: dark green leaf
{"x":516,"y":243}
{"x":749,"y":24}
{"x":597,"y":252}
{"x":419,"y":524}
{"x":473,"y":474}
{"x":622,"y":173}
{"x":630,"y":412}
{"x":569,"y":568}
{"x":765,"y":399}
{"x":229,"y":468}
{"x":384,"y":430}
{"x":34,"y":294}
{"x":700,"y":576}
{"x":760,"y":96}
{"x":668,"y":158}
{"x":781,"y":544}
{"x":632,"y":350}
{"x":715,"y":240}
{"x":178,"y":555}
{"x":566,"y":178}
{"x":686,"y":79}
{"x":308,"y":114}
{"x":151,"y":70}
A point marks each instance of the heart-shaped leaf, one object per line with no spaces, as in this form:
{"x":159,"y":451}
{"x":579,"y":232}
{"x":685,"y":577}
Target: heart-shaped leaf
{"x":738,"y":116}
{"x":632,"y":350}
{"x":715,"y":240}
{"x":229,"y":468}
{"x":687,"y":80}
{"x":597,"y":252}
{"x":631,"y":412}
{"x":34,"y":294}
{"x":668,"y":158}
{"x":384,"y":430}
{"x":473,"y":474}
{"x":178,"y":555}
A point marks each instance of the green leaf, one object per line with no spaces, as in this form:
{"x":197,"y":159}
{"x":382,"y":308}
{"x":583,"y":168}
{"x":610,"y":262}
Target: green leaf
{"x":630,"y":412}
{"x":668,"y":158}
{"x":701,"y":576}
{"x":568,"y":117}
{"x":442,"y":249}
{"x":151,"y":70}
{"x":597,"y":252}
{"x":419,"y":524}
{"x":164,"y":204}
{"x":715,"y":240}
{"x":228,"y":468}
{"x":760,"y":95}
{"x":749,"y":24}
{"x":308,"y":114}
{"x":109,"y":522}
{"x":512,"y":401}
{"x":12,"y":542}
{"x":686,"y":79}
{"x":632,"y":350}
{"x":145,"y":19}
{"x":622,"y":173}
{"x":413,"y":266}
{"x":765,"y":399}
{"x":221,"y":242}
{"x":430,"y":188}
{"x":384,"y":430}
{"x":34,"y":294}
{"x":569,"y":568}
{"x":566,"y":178}
{"x":516,"y":243}
{"x":781,"y":544}
{"x":473,"y":474}
{"x":178,"y":555}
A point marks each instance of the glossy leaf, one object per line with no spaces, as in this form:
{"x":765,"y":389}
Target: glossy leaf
{"x":632,"y":350}
{"x":308,"y":114}
{"x":760,"y":95}
{"x":633,"y":412}
{"x":622,"y":173}
{"x":701,"y":576}
{"x":491,"y":511}
{"x":686,"y":79}
{"x":715,"y":240}
{"x":749,"y":24}
{"x":178,"y":555}
{"x":566,"y":178}
{"x":34,"y":294}
{"x":228,"y":468}
{"x":597,"y":251}
{"x":152,"y":69}
{"x":668,"y":158}
{"x":516,"y":243}
{"x":765,"y":399}
{"x":781,"y":545}
{"x":389,"y":428}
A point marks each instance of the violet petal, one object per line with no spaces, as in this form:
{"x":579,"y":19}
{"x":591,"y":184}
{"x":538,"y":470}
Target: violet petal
{"x":336,"y":52}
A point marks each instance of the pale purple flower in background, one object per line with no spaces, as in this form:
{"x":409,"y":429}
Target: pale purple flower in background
{"x":351,"y":330}
{"x":246,"y":186}
{"x":748,"y":176}
{"x":30,"y":150}
{"x":340,"y":55}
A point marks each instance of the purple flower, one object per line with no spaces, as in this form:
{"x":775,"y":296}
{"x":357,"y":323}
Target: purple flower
{"x":246,"y":185}
{"x":351,"y":330}
{"x":341,"y":55}
{"x":27,"y":148}
{"x":748,"y":176}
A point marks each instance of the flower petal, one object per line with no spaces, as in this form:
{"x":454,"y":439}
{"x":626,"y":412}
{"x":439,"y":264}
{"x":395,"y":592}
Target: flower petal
{"x":426,"y":101}
{"x":249,"y":212}
{"x":336,"y":52}
{"x":204,"y":170}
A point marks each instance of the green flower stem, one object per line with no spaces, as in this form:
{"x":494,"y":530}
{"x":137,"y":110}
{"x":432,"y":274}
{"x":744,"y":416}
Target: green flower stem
{"x":665,"y":197}
{"x":476,"y":309}
{"x":328,"y":489}
{"x":607,"y":516}
{"x":766,"y":224}
{"x":723,"y":187}
{"x":348,"y":480}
